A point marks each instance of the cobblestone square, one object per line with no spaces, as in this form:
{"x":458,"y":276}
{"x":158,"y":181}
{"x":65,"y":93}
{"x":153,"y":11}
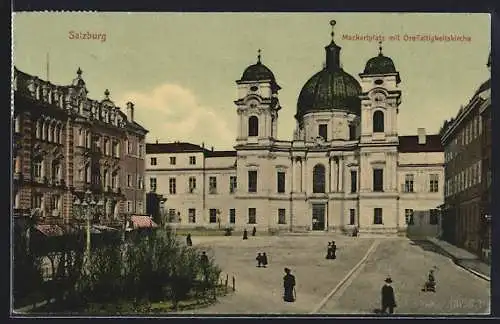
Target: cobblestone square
{"x":333,"y":286}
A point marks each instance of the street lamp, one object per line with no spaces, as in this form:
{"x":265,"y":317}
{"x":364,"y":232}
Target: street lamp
{"x":89,"y":207}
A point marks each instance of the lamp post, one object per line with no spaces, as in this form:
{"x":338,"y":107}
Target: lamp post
{"x":88,"y":206}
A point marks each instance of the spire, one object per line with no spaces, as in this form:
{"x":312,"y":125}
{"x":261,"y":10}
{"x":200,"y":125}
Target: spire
{"x":79,"y":73}
{"x":258,"y":56}
{"x":380,"y":48}
{"x":106,"y":93}
{"x":332,"y":52}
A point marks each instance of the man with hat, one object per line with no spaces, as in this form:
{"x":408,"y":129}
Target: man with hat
{"x":388,"y":298}
{"x":289,"y":286}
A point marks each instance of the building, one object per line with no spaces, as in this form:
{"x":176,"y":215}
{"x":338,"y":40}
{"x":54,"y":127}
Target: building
{"x":345,"y":167}
{"x":65,"y":144}
{"x":467,"y":142}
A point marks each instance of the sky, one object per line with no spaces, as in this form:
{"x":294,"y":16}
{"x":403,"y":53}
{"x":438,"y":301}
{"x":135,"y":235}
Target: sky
{"x":180,"y":68}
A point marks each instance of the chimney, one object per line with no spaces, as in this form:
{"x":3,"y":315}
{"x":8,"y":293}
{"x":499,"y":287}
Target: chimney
{"x":156,"y":141}
{"x":202,"y":144}
{"x":130,"y":111}
{"x":421,"y":136}
{"x":212,"y":148}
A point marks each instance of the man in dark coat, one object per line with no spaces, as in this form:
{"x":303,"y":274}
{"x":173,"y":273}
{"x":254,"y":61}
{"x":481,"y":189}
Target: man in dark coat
{"x":254,"y":230}
{"x":204,"y":264}
{"x":245,"y":234}
{"x":259,"y":259}
{"x":188,"y":240}
{"x":264,"y":259}
{"x":289,"y":286}
{"x":430,"y":284}
{"x":329,"y":251}
{"x":334,"y":250}
{"x":388,"y":298}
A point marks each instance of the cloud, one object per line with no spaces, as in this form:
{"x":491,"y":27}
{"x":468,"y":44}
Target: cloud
{"x":172,"y":113}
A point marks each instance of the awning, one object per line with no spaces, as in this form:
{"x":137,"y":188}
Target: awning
{"x":142,"y":222}
{"x":50,"y":230}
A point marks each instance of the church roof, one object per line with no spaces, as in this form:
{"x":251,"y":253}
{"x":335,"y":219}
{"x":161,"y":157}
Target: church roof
{"x":409,"y":144}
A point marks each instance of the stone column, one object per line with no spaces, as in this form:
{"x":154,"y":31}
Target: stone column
{"x":333,"y":187}
{"x":304,"y":177}
{"x":293,"y":177}
{"x":341,"y":174}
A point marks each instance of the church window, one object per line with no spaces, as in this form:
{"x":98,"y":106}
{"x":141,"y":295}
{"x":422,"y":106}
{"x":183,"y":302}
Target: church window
{"x":377,"y":216}
{"x":319,"y":179}
{"x":252,"y":216}
{"x":352,"y":132}
{"x":323,"y":131}
{"x":281,"y":216}
{"x":253,"y":126}
{"x":281,"y":182}
{"x":378,"y":180}
{"x":354,"y":181}
{"x":252,"y":181}
{"x":378,"y":122}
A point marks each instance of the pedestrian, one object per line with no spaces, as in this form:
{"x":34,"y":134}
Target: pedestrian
{"x":430,"y":284}
{"x":254,"y":231}
{"x":264,"y":259}
{"x":289,"y":286}
{"x":204,"y":264}
{"x":334,"y":250}
{"x":259,"y":259}
{"x":329,"y":251}
{"x":355,"y":232}
{"x":245,"y":234}
{"x":388,"y":298}
{"x":188,"y":240}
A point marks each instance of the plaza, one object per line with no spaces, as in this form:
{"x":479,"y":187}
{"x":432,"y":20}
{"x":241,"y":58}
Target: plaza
{"x":348,"y":285}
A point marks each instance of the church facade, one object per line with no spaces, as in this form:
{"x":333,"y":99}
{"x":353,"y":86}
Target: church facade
{"x":345,"y":167}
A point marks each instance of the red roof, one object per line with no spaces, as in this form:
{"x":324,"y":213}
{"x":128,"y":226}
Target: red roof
{"x":142,"y":222}
{"x":409,"y":144}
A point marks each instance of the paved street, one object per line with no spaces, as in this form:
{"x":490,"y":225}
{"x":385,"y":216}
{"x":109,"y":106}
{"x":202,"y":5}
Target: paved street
{"x":332,"y":287}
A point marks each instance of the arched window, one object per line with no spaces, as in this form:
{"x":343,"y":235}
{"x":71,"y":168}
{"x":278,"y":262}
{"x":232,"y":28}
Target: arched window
{"x":253,"y":126}
{"x":319,"y":179}
{"x":378,"y":122}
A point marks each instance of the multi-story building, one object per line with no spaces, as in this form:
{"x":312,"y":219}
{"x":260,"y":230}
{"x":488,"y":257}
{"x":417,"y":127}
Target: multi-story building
{"x":467,"y":142}
{"x":345,"y":167}
{"x":66,"y":144}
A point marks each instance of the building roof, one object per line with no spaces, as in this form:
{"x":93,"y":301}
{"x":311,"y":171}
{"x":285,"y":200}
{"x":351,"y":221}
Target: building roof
{"x":175,"y":147}
{"x":409,"y":144}
{"x":209,"y":154}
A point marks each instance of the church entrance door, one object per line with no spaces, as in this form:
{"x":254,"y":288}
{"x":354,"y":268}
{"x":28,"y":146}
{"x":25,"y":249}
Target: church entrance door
{"x":318,"y":217}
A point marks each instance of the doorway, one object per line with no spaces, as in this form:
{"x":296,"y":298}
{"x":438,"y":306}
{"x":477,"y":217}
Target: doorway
{"x":318,"y":217}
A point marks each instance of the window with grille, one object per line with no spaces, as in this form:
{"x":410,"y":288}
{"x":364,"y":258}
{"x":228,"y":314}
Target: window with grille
{"x":192,"y":215}
{"x":212,"y":216}
{"x":281,"y":216}
{"x":212,"y":185}
{"x":172,"y":160}
{"x":192,"y":160}
{"x":152,"y":184}
{"x":409,"y":180}
{"x":252,"y":216}
{"x":434,"y":182}
{"x":153,"y":161}
{"x":172,"y":186}
{"x":192,"y":184}
{"x":232,"y":184}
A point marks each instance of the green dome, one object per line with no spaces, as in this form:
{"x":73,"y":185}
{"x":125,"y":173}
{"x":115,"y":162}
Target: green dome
{"x":329,"y":89}
{"x":257,"y":72}
{"x":380,"y":64}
